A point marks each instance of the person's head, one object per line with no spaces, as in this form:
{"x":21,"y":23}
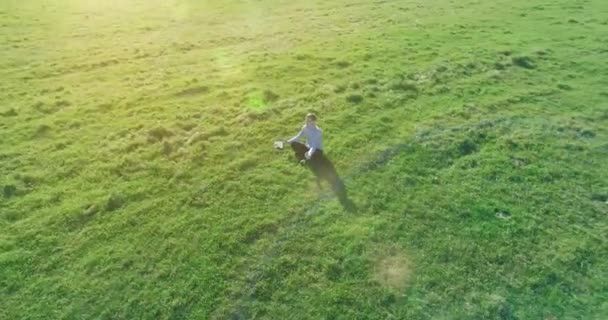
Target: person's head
{"x":311,"y":118}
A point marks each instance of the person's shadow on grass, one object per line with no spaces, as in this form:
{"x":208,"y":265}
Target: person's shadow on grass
{"x":324,"y":169}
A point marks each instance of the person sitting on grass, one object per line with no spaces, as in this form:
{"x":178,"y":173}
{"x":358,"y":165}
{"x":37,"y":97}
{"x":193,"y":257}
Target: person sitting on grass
{"x":312,"y":154}
{"x":313,"y":149}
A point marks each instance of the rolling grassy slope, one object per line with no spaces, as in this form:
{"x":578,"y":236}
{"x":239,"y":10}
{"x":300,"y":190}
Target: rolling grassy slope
{"x":138,"y":177}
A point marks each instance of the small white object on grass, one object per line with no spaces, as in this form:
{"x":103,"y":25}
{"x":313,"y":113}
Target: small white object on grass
{"x":503,"y":215}
{"x":279,"y":145}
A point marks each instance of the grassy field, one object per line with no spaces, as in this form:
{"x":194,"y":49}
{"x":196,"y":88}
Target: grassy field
{"x":138,"y":178}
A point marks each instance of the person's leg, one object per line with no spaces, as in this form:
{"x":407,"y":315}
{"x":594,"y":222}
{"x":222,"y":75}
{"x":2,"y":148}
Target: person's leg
{"x":317,"y":156}
{"x":299,"y":150}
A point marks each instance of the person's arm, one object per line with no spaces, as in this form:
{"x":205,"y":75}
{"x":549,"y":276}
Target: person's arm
{"x":297,"y":137}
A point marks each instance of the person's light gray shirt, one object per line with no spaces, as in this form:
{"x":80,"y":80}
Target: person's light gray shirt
{"x":314,"y":137}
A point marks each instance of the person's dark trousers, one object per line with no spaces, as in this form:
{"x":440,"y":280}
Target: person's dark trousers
{"x":318,"y":163}
{"x":300,"y":150}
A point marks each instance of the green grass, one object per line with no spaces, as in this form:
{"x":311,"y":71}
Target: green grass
{"x":138,"y":179}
